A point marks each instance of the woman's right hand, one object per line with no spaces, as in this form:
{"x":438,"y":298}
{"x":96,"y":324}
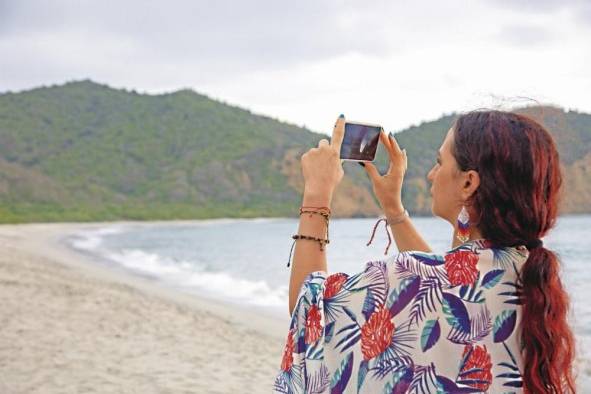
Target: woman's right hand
{"x":388,"y":188}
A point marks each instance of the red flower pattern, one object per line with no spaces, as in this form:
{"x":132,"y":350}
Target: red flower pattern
{"x":313,"y":326}
{"x":287,"y":360}
{"x":479,"y":360}
{"x":461,"y":267}
{"x":333,"y":284}
{"x":376,"y":333}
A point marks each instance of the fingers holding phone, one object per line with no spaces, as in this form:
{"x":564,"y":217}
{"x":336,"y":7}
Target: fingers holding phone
{"x":388,"y":187}
{"x":338,"y":133}
{"x":322,"y":167}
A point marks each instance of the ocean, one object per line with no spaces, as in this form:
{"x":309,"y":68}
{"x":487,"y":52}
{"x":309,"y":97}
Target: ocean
{"x":244,"y":261}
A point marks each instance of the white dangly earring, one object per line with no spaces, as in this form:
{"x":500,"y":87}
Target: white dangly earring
{"x":463,"y":225}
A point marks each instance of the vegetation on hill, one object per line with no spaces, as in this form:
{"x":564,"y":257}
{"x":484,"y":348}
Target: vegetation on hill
{"x":86,"y":152}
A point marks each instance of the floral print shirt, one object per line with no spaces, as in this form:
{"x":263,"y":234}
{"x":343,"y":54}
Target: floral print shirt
{"x":414,"y":323}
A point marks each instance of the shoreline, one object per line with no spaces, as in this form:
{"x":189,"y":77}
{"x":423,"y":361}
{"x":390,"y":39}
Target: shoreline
{"x":53,"y":294}
{"x":57,"y":300}
{"x":49,"y":239}
{"x":181,"y":222}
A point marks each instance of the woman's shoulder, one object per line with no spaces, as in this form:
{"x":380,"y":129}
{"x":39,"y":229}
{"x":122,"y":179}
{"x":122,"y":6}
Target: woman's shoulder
{"x":473,"y":263}
{"x":460,"y":265}
{"x":452,"y":316}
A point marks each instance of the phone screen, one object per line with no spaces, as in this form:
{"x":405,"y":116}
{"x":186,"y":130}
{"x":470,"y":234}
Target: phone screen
{"x":360,"y":142}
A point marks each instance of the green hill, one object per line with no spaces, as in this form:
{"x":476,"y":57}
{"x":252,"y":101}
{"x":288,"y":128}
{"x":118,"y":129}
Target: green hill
{"x":570,"y":129}
{"x":84,"y":151}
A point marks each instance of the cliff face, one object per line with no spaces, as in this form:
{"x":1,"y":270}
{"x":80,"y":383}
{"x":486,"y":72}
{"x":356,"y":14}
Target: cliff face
{"x":577,"y":188}
{"x":84,"y":151}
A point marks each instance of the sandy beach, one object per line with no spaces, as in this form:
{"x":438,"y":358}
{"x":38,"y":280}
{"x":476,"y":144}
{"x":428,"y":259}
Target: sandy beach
{"x":71,"y":326}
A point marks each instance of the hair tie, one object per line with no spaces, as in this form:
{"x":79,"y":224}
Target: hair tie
{"x":535,"y":244}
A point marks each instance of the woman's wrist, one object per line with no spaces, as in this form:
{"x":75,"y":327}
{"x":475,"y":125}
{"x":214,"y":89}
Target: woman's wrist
{"x":393,"y":220}
{"x":395,"y":210}
{"x":316,"y":198}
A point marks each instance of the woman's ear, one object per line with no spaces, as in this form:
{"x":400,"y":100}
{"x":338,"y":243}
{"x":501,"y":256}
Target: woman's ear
{"x":471,"y":183}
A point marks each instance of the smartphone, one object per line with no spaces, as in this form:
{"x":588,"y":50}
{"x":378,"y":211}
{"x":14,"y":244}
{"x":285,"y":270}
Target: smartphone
{"x":360,"y":142}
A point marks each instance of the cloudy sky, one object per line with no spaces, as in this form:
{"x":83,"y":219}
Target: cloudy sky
{"x":396,"y":63}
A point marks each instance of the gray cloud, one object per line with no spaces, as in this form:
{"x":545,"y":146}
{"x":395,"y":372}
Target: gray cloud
{"x":579,"y":9}
{"x":526,"y":36}
{"x":210,"y":40}
{"x":584,"y":14}
{"x":159,"y":45}
{"x":233,"y":33}
{"x":539,"y":6}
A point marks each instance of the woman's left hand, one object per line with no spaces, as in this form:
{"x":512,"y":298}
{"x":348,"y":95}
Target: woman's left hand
{"x":322,"y":166}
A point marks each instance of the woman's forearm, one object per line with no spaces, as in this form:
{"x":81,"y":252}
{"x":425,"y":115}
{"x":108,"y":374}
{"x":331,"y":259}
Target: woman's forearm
{"x":405,"y":234}
{"x":307,"y":255}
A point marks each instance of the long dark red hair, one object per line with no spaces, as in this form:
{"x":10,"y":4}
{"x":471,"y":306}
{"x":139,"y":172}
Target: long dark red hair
{"x":516,"y":203}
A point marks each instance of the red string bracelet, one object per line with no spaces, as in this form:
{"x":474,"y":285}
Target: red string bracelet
{"x":387,"y":232}
{"x":388,"y":221}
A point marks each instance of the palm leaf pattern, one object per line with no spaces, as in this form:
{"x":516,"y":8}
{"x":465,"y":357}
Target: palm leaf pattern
{"x":512,"y":374}
{"x":406,"y":265}
{"x":389,"y":365}
{"x":341,"y":377}
{"x":513,"y":294}
{"x":505,"y":258}
{"x":480,"y":328}
{"x":430,"y":335}
{"x":318,"y":382}
{"x":401,"y":297}
{"x":424,"y":380}
{"x":402,"y":341}
{"x":427,"y":299}
{"x":377,"y":326}
{"x":376,"y":278}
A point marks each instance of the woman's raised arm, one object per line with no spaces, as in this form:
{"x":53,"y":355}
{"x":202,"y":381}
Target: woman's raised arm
{"x":323,"y":170}
{"x":388,"y":190}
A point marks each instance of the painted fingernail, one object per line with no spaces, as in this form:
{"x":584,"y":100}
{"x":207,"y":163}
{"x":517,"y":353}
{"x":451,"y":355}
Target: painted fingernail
{"x":390,"y":134}
{"x":361,"y":164}
{"x":341,"y":116}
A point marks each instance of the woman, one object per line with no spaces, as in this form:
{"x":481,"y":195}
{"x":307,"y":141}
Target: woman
{"x":489,"y":315}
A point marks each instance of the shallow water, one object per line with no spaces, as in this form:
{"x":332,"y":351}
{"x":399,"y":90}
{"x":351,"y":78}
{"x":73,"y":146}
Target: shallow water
{"x":244,"y":261}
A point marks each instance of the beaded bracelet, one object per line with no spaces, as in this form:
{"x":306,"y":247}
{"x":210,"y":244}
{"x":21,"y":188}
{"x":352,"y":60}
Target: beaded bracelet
{"x":295,"y":237}
{"x":321,"y":241}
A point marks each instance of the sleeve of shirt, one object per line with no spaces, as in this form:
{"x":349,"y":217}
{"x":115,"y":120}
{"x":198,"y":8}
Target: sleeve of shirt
{"x":323,"y":351}
{"x":418,"y":312}
{"x":302,"y":364}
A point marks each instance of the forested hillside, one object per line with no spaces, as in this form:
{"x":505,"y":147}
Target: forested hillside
{"x":84,"y":151}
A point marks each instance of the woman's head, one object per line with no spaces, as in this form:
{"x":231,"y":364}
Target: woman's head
{"x":504,"y":167}
{"x":450,"y":188}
